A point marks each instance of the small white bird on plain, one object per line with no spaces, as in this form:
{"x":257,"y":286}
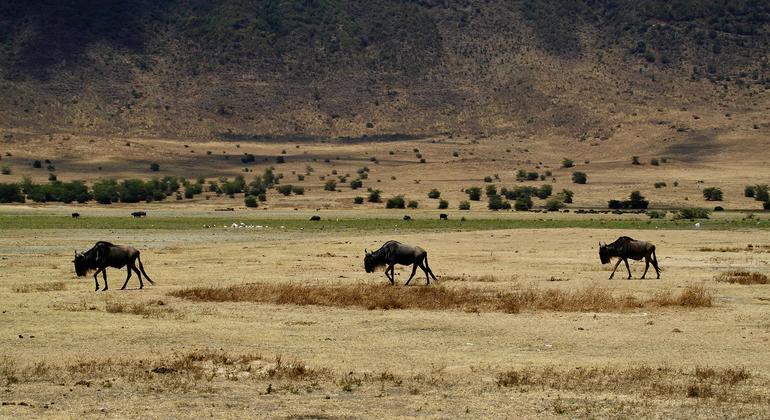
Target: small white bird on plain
{"x":697,"y":225}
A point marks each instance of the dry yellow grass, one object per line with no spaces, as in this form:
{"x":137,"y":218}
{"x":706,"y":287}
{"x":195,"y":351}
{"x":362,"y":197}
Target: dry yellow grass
{"x":53,"y":286}
{"x":743,"y":277}
{"x":371,"y":297}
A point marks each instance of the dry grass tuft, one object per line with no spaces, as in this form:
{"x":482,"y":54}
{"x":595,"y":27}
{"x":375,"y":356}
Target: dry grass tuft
{"x":747,"y":248}
{"x":442,"y":298}
{"x":151,"y":309}
{"x":743,"y":277}
{"x":54,"y":286}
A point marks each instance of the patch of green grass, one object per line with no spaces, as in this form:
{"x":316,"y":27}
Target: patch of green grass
{"x":365,"y":224}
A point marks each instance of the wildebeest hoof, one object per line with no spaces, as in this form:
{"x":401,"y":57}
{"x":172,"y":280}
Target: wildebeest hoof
{"x":104,"y":290}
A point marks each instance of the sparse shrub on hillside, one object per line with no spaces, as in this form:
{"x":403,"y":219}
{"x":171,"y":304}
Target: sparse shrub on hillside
{"x":37,"y":164}
{"x":635,"y":160}
{"x":761,"y":192}
{"x":692,"y":213}
{"x":554,"y":204}
{"x":579,"y":177}
{"x":300,"y":177}
{"x":455,"y":154}
{"x":443,"y":204}
{"x":712,"y":194}
{"x":396,"y":202}
{"x":284,"y":189}
{"x":155,"y":167}
{"x":748,"y":191}
{"x":374,"y":196}
{"x":635,"y":201}
{"x":280,"y":159}
{"x":474,"y":193}
{"x":11,"y":193}
{"x":356,"y":184}
{"x":567,"y":163}
{"x":523,"y":203}
{"x":250,"y":201}
{"x":614,"y":204}
{"x":660,"y":184}
{"x":423,"y":160}
{"x":532,"y":176}
{"x":566,"y":196}
{"x":766,"y":205}
{"x":521,"y":175}
{"x":297,"y":190}
{"x":52,"y":177}
{"x":490,"y":190}
{"x":5,"y":170}
{"x":330,"y":185}
{"x":487,"y":179}
{"x":496,"y":202}
{"x":654,"y":162}
{"x":248,"y":158}
{"x":544,"y":192}
{"x":358,"y":200}
{"x":106,"y":191}
{"x":434,"y":193}
{"x":412,"y":204}
{"x":464,"y":205}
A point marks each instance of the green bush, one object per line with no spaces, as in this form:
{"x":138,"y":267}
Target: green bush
{"x":712,"y":194}
{"x":496,"y":202}
{"x":523,"y":203}
{"x":487,"y":179}
{"x":412,"y":204}
{"x":396,"y":202}
{"x":154,"y":167}
{"x":464,"y":205}
{"x":521,"y":175}
{"x":635,"y":201}
{"x":579,"y":177}
{"x":761,"y":192}
{"x":250,"y":201}
{"x":5,"y":170}
{"x":358,"y":200}
{"x":654,"y":214}
{"x":52,"y":177}
{"x":356,"y":184}
{"x":544,"y":192}
{"x":660,"y":184}
{"x":37,"y":164}
{"x":434,"y":193}
{"x":11,"y":193}
{"x":692,"y":213}
{"x":284,"y":189}
{"x":766,"y":205}
{"x":566,"y":196}
{"x":330,"y":185}
{"x":615,"y":204}
{"x":443,"y":204}
{"x":654,"y":162}
{"x":280,"y":159}
{"x":374,"y":196}
{"x":296,"y":189}
{"x":748,"y":191}
{"x":490,"y":190}
{"x":106,"y":191}
{"x":567,"y":163}
{"x":532,"y":176}
{"x":554,"y":204}
{"x":635,"y":160}
{"x":474,"y":193}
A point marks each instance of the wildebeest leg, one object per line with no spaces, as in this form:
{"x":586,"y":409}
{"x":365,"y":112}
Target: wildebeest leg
{"x":392,"y":275}
{"x":655,"y":263}
{"x":414,"y":270}
{"x":614,"y":269}
{"x":96,"y":281}
{"x":429,"y":270}
{"x":127,"y":277}
{"x":646,"y":266}
{"x":138,"y":273}
{"x":104,"y":276}
{"x":625,"y":260}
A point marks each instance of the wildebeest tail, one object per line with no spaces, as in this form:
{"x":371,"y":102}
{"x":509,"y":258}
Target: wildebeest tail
{"x":141,"y":268}
{"x":428,"y":267}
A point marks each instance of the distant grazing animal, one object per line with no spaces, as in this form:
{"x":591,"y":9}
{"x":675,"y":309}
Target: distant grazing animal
{"x":139,"y":214}
{"x":105,"y":254}
{"x":75,"y":215}
{"x":407,"y":217}
{"x":315,"y":218}
{"x":394,"y":252}
{"x":443,"y":216}
{"x":624,"y":248}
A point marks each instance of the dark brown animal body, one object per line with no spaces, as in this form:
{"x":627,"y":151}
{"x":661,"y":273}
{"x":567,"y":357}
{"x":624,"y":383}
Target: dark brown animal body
{"x":624,"y":248}
{"x":105,"y":254}
{"x":394,"y":252}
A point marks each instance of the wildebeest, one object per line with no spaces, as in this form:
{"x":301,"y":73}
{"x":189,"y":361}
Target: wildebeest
{"x":139,"y":214}
{"x":443,"y":216}
{"x":315,"y":218}
{"x":75,"y":215}
{"x":394,"y":252}
{"x":407,"y":217}
{"x":624,"y":248}
{"x":105,"y":254}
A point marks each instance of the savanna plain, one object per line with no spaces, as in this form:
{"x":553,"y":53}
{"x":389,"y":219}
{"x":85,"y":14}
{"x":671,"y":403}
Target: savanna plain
{"x":279,"y":319}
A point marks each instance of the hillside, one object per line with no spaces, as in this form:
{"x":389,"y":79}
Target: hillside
{"x":325,"y":68}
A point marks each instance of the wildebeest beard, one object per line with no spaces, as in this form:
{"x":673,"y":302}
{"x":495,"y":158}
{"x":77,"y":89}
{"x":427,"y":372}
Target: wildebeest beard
{"x":372,"y":263}
{"x":81,"y":265}
{"x":604,"y":254}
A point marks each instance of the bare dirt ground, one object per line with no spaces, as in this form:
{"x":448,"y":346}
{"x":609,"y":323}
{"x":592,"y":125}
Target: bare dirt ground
{"x":68,"y":351}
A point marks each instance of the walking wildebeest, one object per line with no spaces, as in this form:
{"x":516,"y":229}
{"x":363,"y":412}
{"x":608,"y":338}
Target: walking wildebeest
{"x":75,"y":215}
{"x":139,"y":214}
{"x":105,"y":254}
{"x":443,"y":216}
{"x":624,"y":248}
{"x":394,"y":252}
{"x":315,"y":218}
{"x":407,"y":217}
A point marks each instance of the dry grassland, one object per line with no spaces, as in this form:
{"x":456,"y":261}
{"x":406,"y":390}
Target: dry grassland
{"x":277,"y":323}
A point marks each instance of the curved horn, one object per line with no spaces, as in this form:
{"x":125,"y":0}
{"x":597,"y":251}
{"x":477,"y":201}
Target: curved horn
{"x":365,"y":251}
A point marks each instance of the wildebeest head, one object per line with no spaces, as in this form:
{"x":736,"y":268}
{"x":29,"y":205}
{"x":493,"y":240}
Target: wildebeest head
{"x":81,"y":264}
{"x":604,"y":253}
{"x":370,"y":264}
